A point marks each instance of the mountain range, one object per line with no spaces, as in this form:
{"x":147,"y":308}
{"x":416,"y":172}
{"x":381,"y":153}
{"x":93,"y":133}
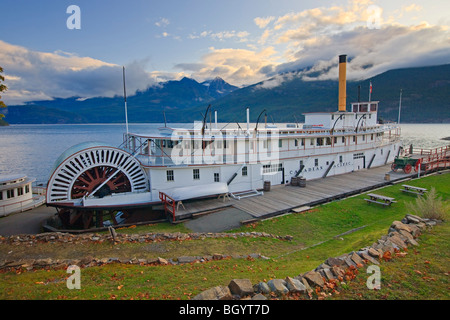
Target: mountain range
{"x":425,"y":99}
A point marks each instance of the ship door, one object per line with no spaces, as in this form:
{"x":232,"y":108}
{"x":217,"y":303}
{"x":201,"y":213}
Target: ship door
{"x":359,"y":161}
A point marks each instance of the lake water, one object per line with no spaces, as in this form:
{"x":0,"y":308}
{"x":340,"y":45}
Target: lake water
{"x":33,"y":149}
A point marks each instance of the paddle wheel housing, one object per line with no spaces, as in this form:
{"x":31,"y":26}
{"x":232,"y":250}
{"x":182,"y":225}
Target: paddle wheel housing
{"x":94,"y":170}
{"x":91,"y":171}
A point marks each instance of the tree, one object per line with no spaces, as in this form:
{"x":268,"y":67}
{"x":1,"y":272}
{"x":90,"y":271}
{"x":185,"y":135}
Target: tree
{"x":2,"y":88}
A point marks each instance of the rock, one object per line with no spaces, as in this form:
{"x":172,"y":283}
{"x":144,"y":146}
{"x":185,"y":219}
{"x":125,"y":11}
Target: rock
{"x":111,"y":260}
{"x":314,"y":278}
{"x":152,"y":261}
{"x":162,"y":261}
{"x":215,"y":293}
{"x":413,"y":218}
{"x":259,"y":296}
{"x":305,"y":283}
{"x":335,"y":262}
{"x":395,"y":239}
{"x":422,"y":226}
{"x":415,"y":230}
{"x":400,"y":226}
{"x":241,"y":287}
{"x":328,"y":274}
{"x":356,"y":258}
{"x":262,"y":287}
{"x":186,"y":259}
{"x":338,"y":271}
{"x":430,"y":223}
{"x":413,"y":242}
{"x":322,"y":266}
{"x":349,"y":262}
{"x":388,"y":246}
{"x":295,"y":286}
{"x":367,"y":257}
{"x":43,"y":262}
{"x":278,"y":286}
{"x":373,"y":252}
{"x":405,"y":234}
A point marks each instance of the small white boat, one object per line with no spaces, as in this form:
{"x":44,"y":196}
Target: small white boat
{"x":16,"y":194}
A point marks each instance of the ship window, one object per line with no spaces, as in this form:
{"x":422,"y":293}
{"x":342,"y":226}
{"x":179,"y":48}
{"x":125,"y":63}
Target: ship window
{"x":27,"y":188}
{"x":303,"y":142}
{"x":320,"y":141}
{"x":328,"y":141}
{"x":268,"y":168}
{"x":244,"y":171}
{"x":196,"y":174}
{"x":316,"y":162}
{"x":343,"y":139}
{"x":312,"y":142}
{"x":170,"y":176}
{"x":296,"y":142}
{"x":340,"y":159}
{"x":371,"y":136}
{"x":216,"y":177}
{"x":1,"y":195}
{"x":20,"y":191}
{"x":10,"y":193}
{"x":280,"y":143}
{"x":335,"y":140}
{"x":354,"y":138}
{"x":364,"y":137}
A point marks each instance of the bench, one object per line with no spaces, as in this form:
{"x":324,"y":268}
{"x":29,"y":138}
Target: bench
{"x":412,"y":189}
{"x":379,"y":199}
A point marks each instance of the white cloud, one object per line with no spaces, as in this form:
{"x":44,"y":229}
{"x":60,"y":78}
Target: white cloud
{"x":236,"y":66}
{"x":162,"y":22}
{"x":412,"y":7}
{"x":276,"y":81}
{"x":312,"y":39}
{"x":221,"y":35}
{"x":33,"y":75}
{"x":263,"y":22}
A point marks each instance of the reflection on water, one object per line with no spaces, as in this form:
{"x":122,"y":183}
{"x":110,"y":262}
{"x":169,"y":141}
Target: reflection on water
{"x":33,"y":149}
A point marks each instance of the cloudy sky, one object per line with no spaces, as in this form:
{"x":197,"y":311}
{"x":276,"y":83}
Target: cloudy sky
{"x":242,"y":41}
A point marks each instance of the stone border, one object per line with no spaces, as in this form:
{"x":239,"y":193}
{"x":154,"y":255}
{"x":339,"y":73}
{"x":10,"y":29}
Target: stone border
{"x":34,"y":264}
{"x":324,"y":279}
{"x":116,"y":238}
{"x":32,"y":239}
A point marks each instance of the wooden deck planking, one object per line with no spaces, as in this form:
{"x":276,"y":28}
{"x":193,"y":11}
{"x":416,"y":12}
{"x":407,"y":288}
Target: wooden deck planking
{"x":282,"y":198}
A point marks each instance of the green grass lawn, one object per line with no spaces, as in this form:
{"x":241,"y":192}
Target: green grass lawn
{"x":314,"y":240}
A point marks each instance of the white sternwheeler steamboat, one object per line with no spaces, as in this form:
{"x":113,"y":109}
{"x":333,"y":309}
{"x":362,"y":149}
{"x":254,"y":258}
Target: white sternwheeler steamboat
{"x":210,"y":160}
